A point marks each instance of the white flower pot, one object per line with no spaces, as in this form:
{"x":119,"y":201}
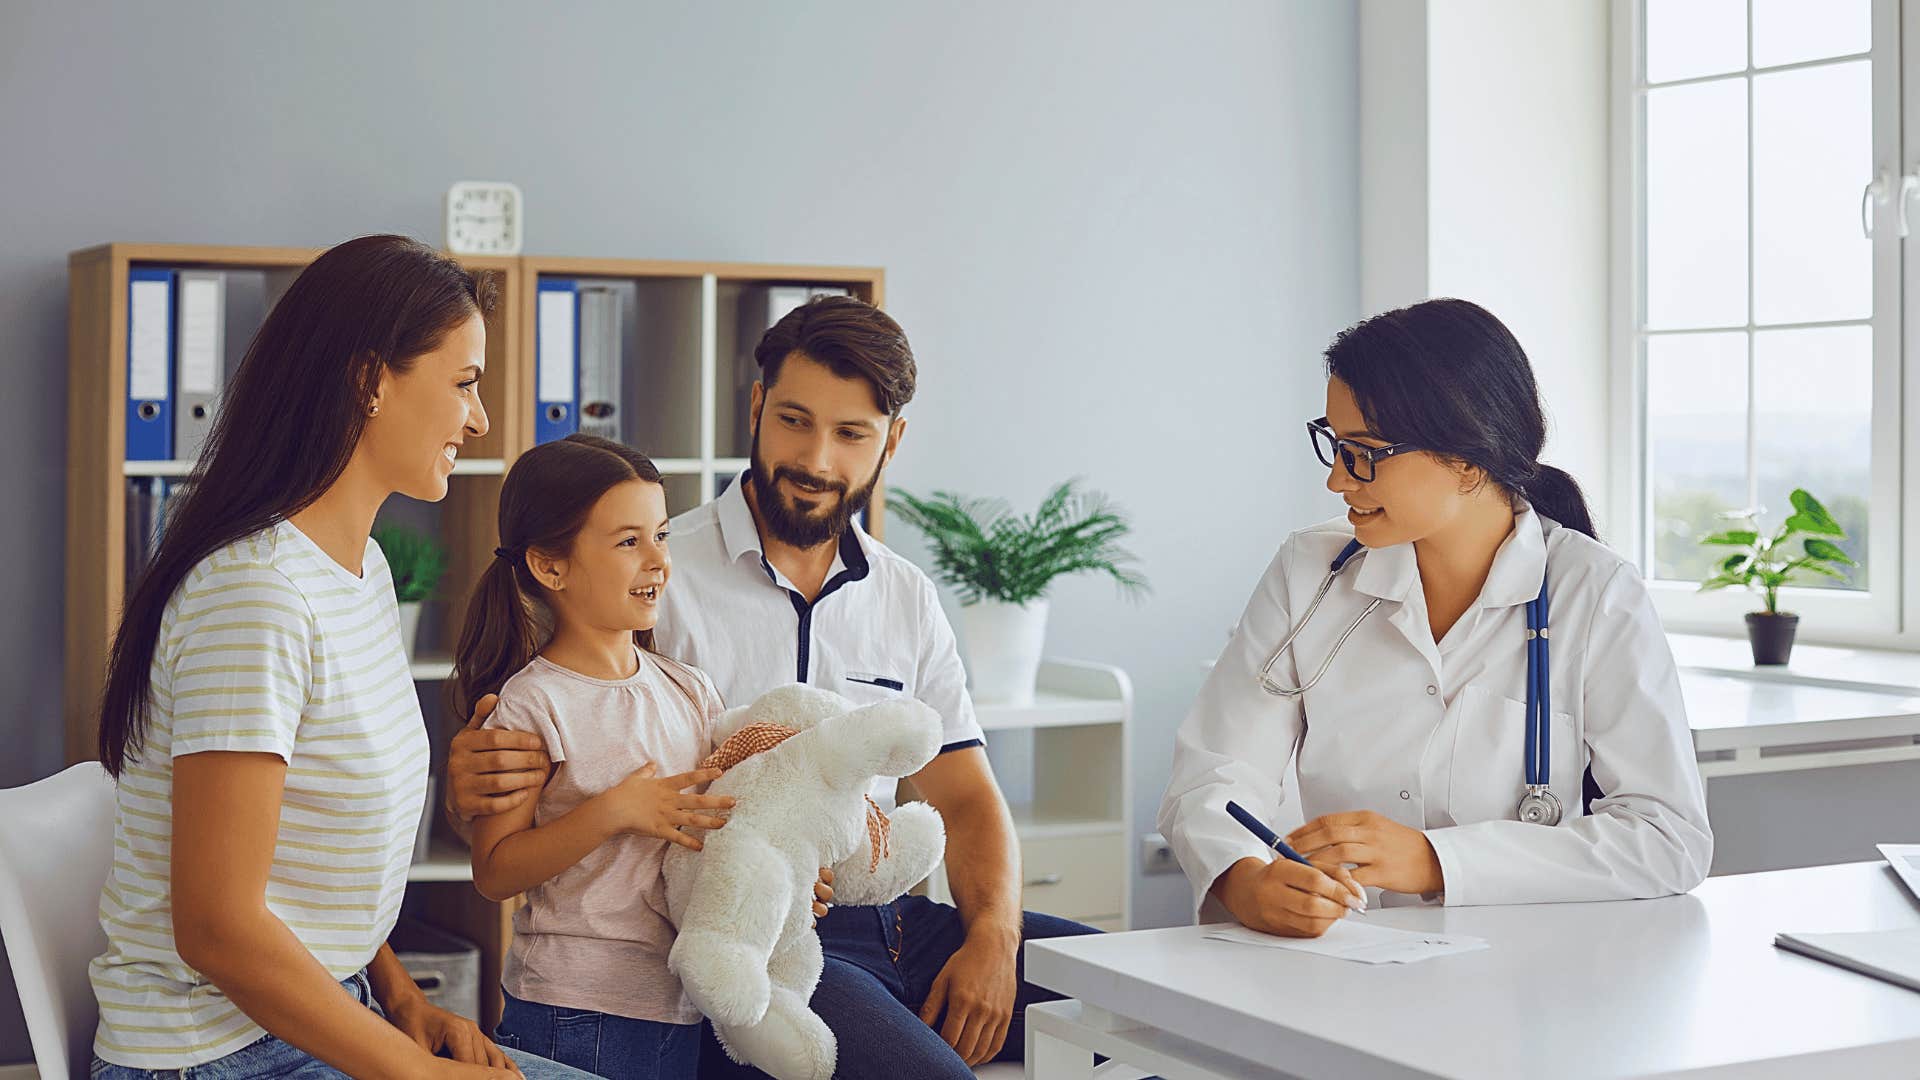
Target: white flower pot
{"x":1004,"y":642}
{"x":409,"y":626}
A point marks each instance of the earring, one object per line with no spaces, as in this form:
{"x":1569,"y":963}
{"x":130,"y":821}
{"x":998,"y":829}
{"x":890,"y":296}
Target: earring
{"x":373,"y":409}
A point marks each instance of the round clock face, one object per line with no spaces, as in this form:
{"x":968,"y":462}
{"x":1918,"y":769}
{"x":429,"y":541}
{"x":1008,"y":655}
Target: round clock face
{"x":483,"y":219}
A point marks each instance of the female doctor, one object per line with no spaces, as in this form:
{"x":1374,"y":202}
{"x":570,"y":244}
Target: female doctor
{"x":1426,"y":764}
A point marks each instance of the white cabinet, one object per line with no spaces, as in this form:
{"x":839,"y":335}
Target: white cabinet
{"x":1062,"y":763}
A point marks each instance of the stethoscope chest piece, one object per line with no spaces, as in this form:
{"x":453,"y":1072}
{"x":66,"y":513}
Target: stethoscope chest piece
{"x":1539,"y":806}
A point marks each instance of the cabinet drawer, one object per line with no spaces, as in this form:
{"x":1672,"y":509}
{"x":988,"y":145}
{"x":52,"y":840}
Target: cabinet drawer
{"x":1075,"y":877}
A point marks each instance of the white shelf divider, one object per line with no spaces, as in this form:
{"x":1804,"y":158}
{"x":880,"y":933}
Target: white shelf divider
{"x":444,"y":862}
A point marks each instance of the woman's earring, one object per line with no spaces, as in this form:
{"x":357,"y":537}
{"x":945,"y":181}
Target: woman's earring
{"x":373,"y":409}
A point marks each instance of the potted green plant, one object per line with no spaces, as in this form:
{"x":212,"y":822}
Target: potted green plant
{"x":1000,"y":565}
{"x":1765,"y":563}
{"x":417,"y":562}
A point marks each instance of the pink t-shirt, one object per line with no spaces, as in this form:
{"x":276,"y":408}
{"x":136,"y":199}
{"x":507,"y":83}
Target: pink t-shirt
{"x":596,"y":936}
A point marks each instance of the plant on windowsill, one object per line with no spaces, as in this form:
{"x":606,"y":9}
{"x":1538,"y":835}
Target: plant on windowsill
{"x":1000,"y":565}
{"x":417,"y":562}
{"x":1766,"y":563}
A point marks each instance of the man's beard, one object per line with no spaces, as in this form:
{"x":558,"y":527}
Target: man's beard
{"x":792,"y":526}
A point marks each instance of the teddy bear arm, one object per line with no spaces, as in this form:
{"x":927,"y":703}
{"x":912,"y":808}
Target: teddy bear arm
{"x":916,"y":843}
{"x":885,"y":739}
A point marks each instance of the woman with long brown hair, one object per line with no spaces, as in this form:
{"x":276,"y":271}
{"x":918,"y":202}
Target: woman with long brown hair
{"x":260,"y":716}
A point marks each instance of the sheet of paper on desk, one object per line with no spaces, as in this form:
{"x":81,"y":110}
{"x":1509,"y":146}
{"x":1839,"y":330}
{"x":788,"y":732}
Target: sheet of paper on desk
{"x":1354,"y":939}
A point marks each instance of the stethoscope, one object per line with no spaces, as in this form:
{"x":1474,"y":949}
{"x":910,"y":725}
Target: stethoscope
{"x":1539,"y":806}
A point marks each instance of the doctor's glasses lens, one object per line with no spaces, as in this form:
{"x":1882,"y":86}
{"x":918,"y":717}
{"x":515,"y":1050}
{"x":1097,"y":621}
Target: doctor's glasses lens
{"x":1331,"y":449}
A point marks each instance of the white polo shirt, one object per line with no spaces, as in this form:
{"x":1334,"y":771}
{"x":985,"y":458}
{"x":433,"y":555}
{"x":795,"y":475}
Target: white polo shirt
{"x":875,"y":630}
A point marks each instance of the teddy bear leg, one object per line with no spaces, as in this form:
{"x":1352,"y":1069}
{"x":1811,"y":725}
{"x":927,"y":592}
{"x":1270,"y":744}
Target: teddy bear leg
{"x":727,"y":938}
{"x":790,"y":1042}
{"x":797,"y":961}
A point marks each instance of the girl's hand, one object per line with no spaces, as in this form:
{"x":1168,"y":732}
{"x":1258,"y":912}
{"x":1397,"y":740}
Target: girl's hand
{"x":649,"y":805}
{"x":1382,"y":851}
{"x":436,"y":1030}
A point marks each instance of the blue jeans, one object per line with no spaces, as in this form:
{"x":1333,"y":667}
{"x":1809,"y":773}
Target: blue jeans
{"x":880,"y":966}
{"x":269,"y":1057}
{"x":616,"y":1047}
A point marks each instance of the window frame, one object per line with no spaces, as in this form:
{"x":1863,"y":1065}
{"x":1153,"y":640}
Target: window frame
{"x":1883,"y":614}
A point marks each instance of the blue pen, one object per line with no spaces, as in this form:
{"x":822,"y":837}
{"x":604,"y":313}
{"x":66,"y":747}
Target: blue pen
{"x":1272,"y":840}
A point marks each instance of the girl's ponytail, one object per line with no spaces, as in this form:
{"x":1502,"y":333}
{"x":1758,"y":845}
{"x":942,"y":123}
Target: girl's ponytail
{"x":499,"y":637}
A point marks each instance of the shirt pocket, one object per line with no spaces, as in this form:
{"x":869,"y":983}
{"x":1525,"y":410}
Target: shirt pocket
{"x":867,"y":686}
{"x":1488,"y":772}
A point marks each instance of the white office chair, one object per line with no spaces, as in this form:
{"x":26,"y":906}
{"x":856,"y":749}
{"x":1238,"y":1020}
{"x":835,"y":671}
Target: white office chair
{"x":56,"y":847}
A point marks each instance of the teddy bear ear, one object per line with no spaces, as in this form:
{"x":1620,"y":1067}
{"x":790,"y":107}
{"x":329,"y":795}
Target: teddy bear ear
{"x":799,"y":706}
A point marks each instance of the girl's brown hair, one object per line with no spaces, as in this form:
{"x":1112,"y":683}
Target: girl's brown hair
{"x":286,"y":429}
{"x":546,"y":499}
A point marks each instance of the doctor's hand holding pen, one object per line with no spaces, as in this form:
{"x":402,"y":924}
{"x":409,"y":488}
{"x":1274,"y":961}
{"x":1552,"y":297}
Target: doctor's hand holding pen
{"x":1287,"y":898}
{"x":1290,"y":896}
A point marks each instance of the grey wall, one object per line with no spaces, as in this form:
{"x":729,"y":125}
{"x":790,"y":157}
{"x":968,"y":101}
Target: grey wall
{"x":1118,"y":234}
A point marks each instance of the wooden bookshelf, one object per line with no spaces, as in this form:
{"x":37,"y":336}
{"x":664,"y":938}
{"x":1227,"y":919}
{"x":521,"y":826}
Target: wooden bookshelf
{"x":703,"y":302}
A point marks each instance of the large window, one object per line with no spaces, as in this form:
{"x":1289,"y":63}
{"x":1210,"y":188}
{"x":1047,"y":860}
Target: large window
{"x":1764,"y":342}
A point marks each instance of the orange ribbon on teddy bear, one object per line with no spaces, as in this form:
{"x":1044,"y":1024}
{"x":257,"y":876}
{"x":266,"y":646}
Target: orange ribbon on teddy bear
{"x":758,"y":738}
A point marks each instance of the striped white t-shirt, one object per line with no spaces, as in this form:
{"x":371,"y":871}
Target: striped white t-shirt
{"x":267,"y":646}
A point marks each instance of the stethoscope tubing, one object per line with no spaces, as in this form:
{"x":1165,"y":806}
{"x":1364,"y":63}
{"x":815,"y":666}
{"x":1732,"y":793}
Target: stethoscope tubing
{"x":1539,"y":745}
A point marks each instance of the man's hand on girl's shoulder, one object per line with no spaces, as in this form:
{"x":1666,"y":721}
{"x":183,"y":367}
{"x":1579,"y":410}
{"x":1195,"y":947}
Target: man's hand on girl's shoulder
{"x":492,"y":770}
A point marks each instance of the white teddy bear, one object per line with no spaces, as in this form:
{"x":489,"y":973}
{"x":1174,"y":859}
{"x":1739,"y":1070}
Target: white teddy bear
{"x":800,"y":761}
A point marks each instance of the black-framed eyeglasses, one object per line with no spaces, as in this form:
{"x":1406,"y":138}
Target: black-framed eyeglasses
{"x":1361,"y":461}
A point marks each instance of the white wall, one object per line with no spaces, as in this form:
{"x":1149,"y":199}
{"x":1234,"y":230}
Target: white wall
{"x":1485,"y":154}
{"x":1119,"y":234}
{"x":1393,"y":154}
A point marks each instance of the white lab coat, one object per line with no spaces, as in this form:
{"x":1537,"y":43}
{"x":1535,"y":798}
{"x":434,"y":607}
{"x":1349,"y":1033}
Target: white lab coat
{"x":1432,"y":734}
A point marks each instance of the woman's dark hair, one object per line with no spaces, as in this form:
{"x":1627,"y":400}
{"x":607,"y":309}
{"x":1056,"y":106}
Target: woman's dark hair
{"x":546,"y":499}
{"x":1448,"y":377}
{"x":287,"y":426}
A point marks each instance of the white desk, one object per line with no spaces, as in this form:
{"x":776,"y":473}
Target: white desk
{"x":1744,"y":725}
{"x":1682,"y":986}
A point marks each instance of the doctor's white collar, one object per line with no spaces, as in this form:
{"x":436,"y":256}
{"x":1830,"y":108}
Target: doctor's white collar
{"x":1518,"y":565}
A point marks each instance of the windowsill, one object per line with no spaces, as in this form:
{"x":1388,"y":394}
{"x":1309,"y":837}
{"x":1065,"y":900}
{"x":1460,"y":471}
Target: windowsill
{"x":1891,"y":670}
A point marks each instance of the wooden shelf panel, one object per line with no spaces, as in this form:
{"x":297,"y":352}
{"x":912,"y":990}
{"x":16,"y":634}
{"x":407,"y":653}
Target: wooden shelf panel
{"x":461,"y":467}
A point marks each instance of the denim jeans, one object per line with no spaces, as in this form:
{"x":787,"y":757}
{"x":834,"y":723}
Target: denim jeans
{"x":269,"y":1057}
{"x":880,"y":966}
{"x":616,"y":1047}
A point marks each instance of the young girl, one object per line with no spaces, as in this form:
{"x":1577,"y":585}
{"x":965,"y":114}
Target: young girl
{"x":578,"y":577}
{"x":259,"y":716}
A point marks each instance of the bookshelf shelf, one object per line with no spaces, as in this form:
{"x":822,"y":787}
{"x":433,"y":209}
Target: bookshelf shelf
{"x":461,"y":467}
{"x":696,"y":448}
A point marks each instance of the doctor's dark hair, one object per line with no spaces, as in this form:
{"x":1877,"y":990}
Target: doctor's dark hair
{"x":287,"y":426}
{"x":544,"y":501}
{"x":1448,"y":377}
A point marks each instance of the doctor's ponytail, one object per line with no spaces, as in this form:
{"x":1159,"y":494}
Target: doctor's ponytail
{"x":1450,"y":378}
{"x":1555,"y":494}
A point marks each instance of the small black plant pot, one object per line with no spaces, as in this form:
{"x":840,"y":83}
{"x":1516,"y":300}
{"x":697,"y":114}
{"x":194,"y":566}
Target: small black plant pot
{"x":1771,"y":636}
